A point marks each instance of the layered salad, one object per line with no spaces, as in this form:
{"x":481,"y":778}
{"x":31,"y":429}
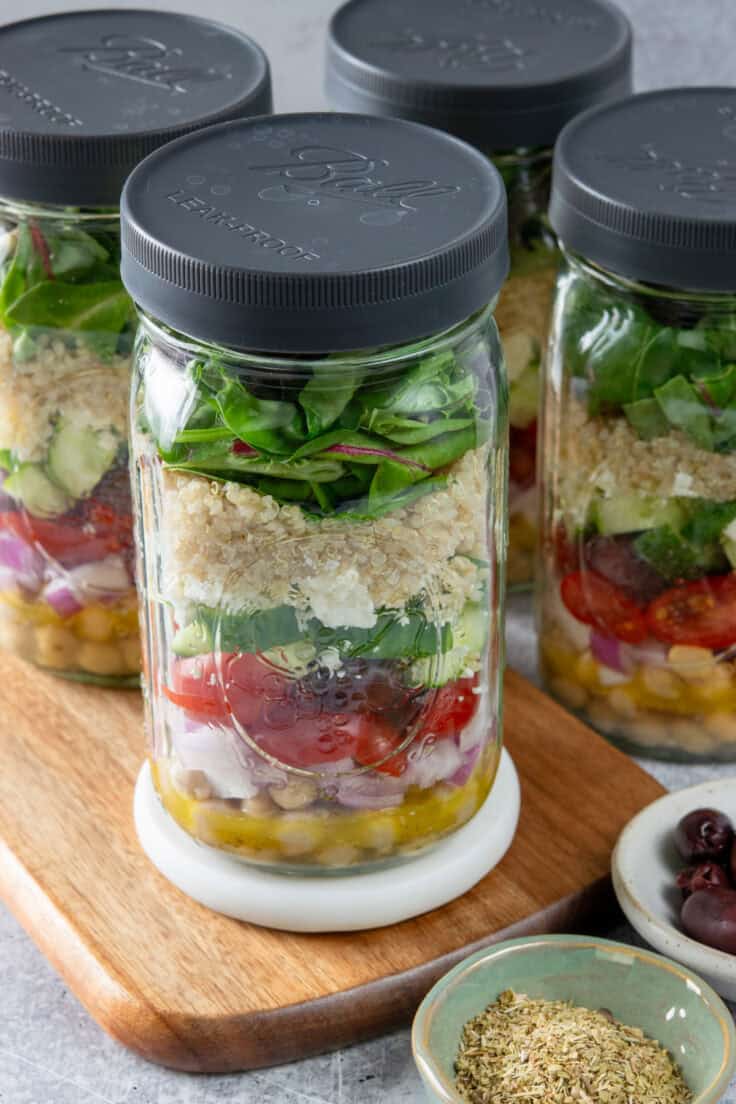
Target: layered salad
{"x":638,"y":610}
{"x":320,"y":577}
{"x":523,"y":316}
{"x":67,"y":595}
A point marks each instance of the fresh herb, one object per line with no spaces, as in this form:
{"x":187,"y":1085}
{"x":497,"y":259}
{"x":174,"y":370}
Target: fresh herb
{"x":348,"y":442}
{"x":661,"y":376}
{"x":532,"y":241}
{"x":555,"y":1052}
{"x":409,"y":636}
{"x":65,"y":280}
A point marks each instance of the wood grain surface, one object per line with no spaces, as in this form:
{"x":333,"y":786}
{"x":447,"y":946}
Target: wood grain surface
{"x":196,"y":991}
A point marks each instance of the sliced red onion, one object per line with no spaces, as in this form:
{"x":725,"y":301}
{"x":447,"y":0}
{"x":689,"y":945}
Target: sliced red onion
{"x":479,"y":730}
{"x":232,"y":771}
{"x":240,"y":448}
{"x":103,"y":580}
{"x":432,"y":762}
{"x":61,"y":597}
{"x":464,"y":771}
{"x":607,"y":650}
{"x":21,"y":559}
{"x":384,"y":454}
{"x":8,"y":579}
{"x":650,"y":654}
{"x":371,"y":791}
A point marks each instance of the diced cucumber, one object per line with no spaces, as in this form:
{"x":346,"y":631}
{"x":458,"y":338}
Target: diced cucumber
{"x":524,"y":397}
{"x":520,"y":352}
{"x":633,"y":513}
{"x":729,"y":547}
{"x":669,"y":555}
{"x":79,"y":457}
{"x":469,"y":636}
{"x":194,"y":639}
{"x":708,"y":520}
{"x":292,"y":659}
{"x":438,"y":670}
{"x":31,"y":486}
{"x":471,"y":632}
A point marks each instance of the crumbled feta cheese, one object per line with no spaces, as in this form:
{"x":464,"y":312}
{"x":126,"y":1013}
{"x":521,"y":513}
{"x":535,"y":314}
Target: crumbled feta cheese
{"x":331,"y":659}
{"x":340,"y":600}
{"x":606,"y":453}
{"x":60,"y":378}
{"x":682,"y":485}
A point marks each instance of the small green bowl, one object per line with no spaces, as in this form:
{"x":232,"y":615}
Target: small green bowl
{"x":640,"y":988}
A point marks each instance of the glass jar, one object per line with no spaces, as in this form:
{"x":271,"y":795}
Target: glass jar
{"x":523,"y":315}
{"x":321,"y":532}
{"x":637,"y":591}
{"x":505,"y":77}
{"x":67,"y":591}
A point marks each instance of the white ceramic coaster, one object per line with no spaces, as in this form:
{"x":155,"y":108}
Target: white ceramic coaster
{"x":337,"y":902}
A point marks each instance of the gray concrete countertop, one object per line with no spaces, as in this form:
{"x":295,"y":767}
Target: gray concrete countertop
{"x":50,"y":1051}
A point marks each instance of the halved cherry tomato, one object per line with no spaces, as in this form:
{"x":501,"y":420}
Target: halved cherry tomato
{"x":702,"y":613}
{"x":70,"y":543}
{"x":237,"y":685}
{"x":523,"y":455}
{"x":376,"y":740}
{"x":265,"y":703}
{"x":305,"y":741}
{"x":453,"y":706}
{"x":595,"y":601}
{"x":566,"y":550}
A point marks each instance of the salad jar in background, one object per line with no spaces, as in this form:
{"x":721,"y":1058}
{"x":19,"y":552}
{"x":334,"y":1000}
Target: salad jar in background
{"x":86,"y":96}
{"x":505,"y":77}
{"x":637,"y":589}
{"x":319,"y":424}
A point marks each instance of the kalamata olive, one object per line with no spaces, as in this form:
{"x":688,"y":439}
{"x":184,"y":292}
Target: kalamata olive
{"x":732,"y":862}
{"x":708,"y":875}
{"x":710,"y":917}
{"x":704,"y":834}
{"x":615,"y":558}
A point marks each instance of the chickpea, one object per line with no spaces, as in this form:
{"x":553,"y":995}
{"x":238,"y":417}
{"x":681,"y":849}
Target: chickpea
{"x":94,"y":623}
{"x":339,"y":854}
{"x":18,"y":637}
{"x":101,"y":659}
{"x":56,"y":647}
{"x":296,"y":794}
{"x":131,"y":649}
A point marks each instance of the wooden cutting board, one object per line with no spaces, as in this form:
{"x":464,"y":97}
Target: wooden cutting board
{"x":195,"y":991}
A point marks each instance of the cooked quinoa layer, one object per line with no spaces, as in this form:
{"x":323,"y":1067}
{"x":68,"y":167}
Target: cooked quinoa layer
{"x":225,"y":545}
{"x":605,"y":455}
{"x":63,"y":378}
{"x":525,"y":302}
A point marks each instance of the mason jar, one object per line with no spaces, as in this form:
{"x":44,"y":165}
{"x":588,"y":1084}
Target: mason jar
{"x":637,"y":587}
{"x":116,"y":84}
{"x":505,"y":77}
{"x":319,"y":423}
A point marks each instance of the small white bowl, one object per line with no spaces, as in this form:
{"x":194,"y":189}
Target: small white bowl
{"x":644,"y":866}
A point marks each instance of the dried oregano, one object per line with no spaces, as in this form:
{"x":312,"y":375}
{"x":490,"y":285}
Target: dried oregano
{"x":521,"y":1049}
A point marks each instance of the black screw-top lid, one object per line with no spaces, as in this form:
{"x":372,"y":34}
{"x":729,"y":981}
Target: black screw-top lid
{"x":312,"y":233}
{"x":647,"y":188}
{"x":503,"y":74}
{"x":85,"y":95}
